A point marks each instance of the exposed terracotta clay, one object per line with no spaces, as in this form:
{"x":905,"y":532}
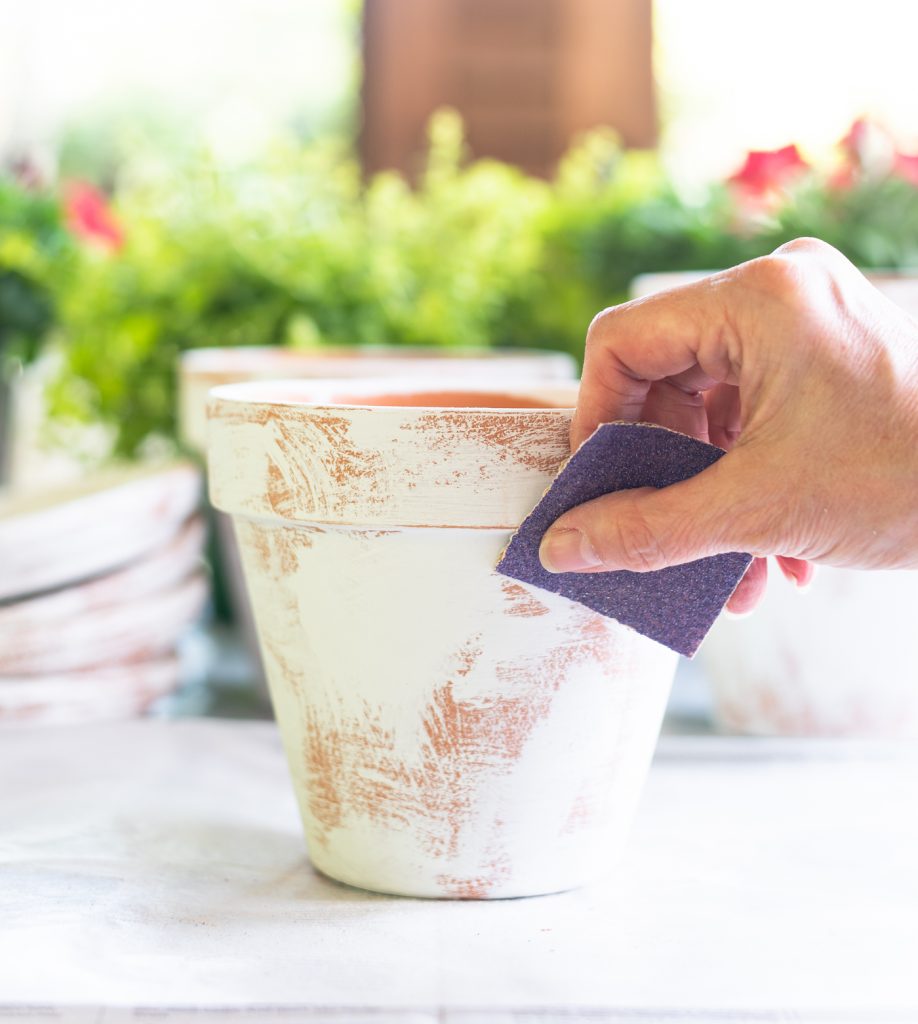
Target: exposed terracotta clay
{"x":203,"y":369}
{"x":450,"y":732}
{"x":445,"y":400}
{"x":522,"y":600}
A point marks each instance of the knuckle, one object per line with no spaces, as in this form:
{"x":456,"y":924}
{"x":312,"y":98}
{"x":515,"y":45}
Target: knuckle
{"x":778,"y":275}
{"x":599,"y":325}
{"x":806,"y":245}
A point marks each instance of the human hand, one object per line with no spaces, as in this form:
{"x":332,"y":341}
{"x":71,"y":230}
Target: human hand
{"x":808,"y":376}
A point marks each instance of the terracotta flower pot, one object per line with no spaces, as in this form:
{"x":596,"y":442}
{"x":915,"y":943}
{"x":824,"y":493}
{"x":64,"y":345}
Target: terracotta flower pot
{"x":450,"y":733}
{"x":119,"y":517}
{"x":839,"y":660}
{"x":203,"y":369}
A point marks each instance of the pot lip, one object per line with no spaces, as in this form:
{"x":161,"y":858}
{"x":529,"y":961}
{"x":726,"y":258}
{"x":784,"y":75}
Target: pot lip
{"x":107,"y":484}
{"x":251,"y":358}
{"x":558,"y":398}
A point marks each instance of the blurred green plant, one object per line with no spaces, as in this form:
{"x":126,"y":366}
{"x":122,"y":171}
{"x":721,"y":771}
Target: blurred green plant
{"x":298,"y":250}
{"x":294,"y":251}
{"x":35,"y":251}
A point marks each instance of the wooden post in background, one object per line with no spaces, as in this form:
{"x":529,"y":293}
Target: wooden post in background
{"x":528,"y":76}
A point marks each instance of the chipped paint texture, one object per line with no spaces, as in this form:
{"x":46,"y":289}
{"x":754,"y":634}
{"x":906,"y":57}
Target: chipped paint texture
{"x":840,"y":660}
{"x":450,"y":733}
{"x":203,"y":369}
{"x":394,"y":466}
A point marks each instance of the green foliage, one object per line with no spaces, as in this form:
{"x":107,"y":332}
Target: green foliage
{"x":874,"y":221}
{"x":612,"y":215}
{"x":298,"y":250}
{"x":294,"y":251}
{"x":34,"y":253}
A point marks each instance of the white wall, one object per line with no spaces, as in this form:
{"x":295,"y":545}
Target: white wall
{"x":236,"y":68}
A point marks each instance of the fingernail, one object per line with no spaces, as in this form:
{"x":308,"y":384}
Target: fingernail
{"x":738,"y":615}
{"x":803,"y":586}
{"x":567,"y":550}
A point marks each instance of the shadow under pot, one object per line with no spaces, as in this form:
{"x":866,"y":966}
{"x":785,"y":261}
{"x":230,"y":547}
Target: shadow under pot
{"x":450,"y":732}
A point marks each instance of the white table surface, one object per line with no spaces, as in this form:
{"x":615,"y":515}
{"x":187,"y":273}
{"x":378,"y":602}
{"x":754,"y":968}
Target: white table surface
{"x":156,"y":871}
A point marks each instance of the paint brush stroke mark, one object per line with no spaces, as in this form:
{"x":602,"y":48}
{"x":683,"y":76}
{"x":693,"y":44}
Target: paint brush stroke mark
{"x":521,"y":601}
{"x":321,"y":469}
{"x":277,"y":551}
{"x":534,"y":441}
{"x":479,"y":887}
{"x":582,"y":814}
{"x":354,"y":770}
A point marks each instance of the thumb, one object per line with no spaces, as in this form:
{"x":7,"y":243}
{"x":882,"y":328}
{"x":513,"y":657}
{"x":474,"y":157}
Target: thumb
{"x":646,"y":529}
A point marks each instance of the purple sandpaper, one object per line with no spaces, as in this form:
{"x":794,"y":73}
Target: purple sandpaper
{"x":675,"y":606}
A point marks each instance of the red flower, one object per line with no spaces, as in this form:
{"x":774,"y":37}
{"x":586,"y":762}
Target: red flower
{"x":90,"y":217}
{"x":843,"y":177}
{"x":769,"y":170}
{"x":867,"y":150}
{"x":855,"y":142}
{"x":905,"y":165}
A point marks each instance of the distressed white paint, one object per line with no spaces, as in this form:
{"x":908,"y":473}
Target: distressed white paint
{"x":114,"y":633}
{"x":838,"y":660}
{"x":100,"y":694}
{"x":201,"y":370}
{"x":206,"y":368}
{"x":159,"y":571}
{"x":449,"y":732}
{"x":117,"y":517}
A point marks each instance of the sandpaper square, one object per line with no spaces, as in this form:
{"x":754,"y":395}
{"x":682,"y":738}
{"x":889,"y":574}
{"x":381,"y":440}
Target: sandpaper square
{"x":675,"y":606}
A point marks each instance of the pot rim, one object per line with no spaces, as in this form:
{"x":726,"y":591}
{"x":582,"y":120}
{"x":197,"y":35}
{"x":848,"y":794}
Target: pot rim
{"x":310,"y":452}
{"x":214,"y":359}
{"x":339,"y":394}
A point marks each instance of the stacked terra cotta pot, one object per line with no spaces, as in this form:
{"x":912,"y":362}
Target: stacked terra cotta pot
{"x":98,"y":583}
{"x":449,"y":732}
{"x":838,"y":660}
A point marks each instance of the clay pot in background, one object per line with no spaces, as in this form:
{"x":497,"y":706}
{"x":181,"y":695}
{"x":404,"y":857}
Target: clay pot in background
{"x":99,"y":581}
{"x":901,"y":286}
{"x":839,"y":660}
{"x":203,"y":369}
{"x":450,"y":732}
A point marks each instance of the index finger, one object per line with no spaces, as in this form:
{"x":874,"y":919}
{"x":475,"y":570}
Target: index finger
{"x":684,"y":336}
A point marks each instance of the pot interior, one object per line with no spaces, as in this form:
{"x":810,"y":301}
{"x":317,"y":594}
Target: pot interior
{"x":401,"y":393}
{"x":449,"y":400}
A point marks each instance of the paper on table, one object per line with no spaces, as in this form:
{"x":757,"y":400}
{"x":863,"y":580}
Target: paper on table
{"x":160,"y":863}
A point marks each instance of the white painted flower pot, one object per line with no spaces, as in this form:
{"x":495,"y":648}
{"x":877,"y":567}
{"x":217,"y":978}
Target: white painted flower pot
{"x":450,"y":733}
{"x":203,"y":369}
{"x":838,"y":660}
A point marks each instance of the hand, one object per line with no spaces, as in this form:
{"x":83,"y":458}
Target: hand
{"x":808,"y":376}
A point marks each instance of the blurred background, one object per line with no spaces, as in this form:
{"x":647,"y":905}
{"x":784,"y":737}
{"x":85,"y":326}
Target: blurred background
{"x":308,"y":173}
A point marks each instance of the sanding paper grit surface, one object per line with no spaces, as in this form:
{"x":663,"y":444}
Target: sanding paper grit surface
{"x":675,"y":606}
